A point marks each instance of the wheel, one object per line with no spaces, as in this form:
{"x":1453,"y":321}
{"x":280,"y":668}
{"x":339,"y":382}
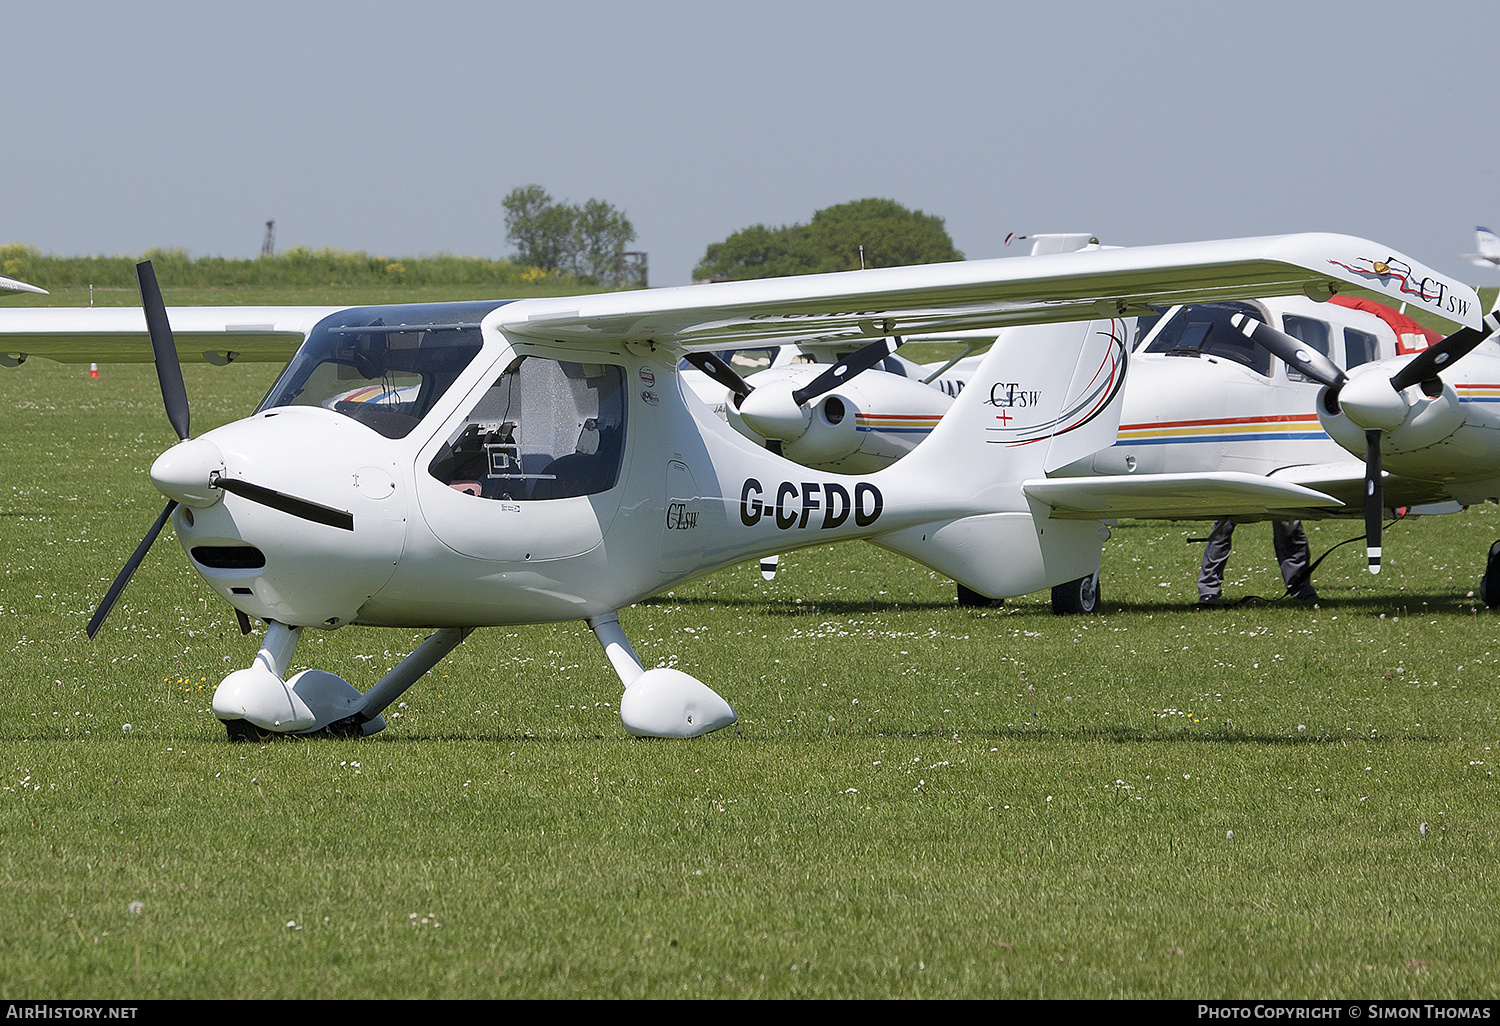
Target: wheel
{"x":971,"y":599}
{"x":244,"y":730}
{"x":1080,"y":596}
{"x":1489,"y":584}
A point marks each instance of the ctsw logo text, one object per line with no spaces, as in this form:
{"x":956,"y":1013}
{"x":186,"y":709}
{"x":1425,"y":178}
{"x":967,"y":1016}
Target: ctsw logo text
{"x":795,"y":504}
{"x":1012,"y":394}
{"x":680,"y":518}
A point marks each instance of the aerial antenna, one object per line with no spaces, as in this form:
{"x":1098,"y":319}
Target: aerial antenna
{"x":268,"y":248}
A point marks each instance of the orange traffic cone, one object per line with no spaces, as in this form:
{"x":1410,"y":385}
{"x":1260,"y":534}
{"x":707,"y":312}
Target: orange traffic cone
{"x":93,"y":370}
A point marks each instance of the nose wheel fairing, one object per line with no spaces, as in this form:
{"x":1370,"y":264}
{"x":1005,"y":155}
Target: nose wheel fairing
{"x":260,"y":702}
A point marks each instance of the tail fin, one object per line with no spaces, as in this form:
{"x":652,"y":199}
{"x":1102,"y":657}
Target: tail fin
{"x":1044,"y":396}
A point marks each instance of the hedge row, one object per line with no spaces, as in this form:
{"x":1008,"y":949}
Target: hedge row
{"x":297,"y":266}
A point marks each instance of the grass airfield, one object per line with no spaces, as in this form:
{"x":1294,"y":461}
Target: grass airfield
{"x":1265,"y":800}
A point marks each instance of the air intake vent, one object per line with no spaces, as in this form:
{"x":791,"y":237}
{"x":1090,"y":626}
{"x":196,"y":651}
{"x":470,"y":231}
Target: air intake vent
{"x":229,"y":557}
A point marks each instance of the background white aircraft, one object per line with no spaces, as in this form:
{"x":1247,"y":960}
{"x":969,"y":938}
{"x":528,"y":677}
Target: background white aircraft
{"x":1201,"y":399}
{"x":1488,"y":244}
{"x":8,"y":284}
{"x":460,"y":465}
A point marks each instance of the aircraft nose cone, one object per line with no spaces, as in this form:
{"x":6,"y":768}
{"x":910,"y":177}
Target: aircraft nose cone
{"x":773,"y":413}
{"x":184,"y":472}
{"x":1369,"y":401}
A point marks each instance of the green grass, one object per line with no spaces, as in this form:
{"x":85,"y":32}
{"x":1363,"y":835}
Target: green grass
{"x":919,"y":800}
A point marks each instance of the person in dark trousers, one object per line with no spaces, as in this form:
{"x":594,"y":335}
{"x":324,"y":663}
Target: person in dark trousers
{"x":1291,"y":552}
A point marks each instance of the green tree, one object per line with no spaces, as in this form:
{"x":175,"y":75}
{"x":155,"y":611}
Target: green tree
{"x":892,"y":236}
{"x":588,"y":241}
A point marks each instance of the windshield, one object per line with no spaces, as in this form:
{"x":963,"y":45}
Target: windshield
{"x":384,"y":366}
{"x":1206,"y":329}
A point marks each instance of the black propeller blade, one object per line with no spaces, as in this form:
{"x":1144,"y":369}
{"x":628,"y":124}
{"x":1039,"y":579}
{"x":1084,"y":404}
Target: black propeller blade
{"x":111,"y":596}
{"x":1295,"y":354}
{"x":718,"y":370}
{"x":1374,"y":499}
{"x":1444,"y":354}
{"x":163,"y":349}
{"x":174,"y":396}
{"x":855,"y":363}
{"x":304,"y":508}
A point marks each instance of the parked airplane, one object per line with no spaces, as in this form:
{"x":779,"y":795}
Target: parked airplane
{"x":9,"y":284}
{"x":1235,"y":409}
{"x":460,"y":465}
{"x":1488,"y":244}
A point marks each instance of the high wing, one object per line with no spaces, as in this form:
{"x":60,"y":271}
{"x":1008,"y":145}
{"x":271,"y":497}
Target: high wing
{"x":218,"y":334}
{"x":1175,"y":497}
{"x":1346,"y":481}
{"x":859,"y":304}
{"x":989,"y":293}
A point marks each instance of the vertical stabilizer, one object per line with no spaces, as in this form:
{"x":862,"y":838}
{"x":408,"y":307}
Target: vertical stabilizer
{"x":1044,"y":396}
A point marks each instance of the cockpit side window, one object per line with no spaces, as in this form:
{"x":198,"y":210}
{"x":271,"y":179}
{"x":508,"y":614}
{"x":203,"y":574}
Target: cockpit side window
{"x":1359,"y":347}
{"x":545,"y":429}
{"x":1205,"y":329}
{"x":1311,"y":332}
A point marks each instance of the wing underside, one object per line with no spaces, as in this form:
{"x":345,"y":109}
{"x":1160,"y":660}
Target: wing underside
{"x":1346,"y":481}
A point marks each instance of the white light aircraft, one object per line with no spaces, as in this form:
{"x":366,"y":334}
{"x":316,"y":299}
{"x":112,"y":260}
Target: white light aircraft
{"x":1488,"y":244}
{"x":462,"y":465}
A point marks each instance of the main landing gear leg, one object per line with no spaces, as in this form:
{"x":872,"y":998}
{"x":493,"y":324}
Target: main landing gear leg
{"x":259,"y":702}
{"x":662,"y":702}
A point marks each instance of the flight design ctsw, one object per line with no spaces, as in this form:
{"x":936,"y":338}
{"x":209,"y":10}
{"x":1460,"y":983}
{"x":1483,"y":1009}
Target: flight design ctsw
{"x":463,"y":465}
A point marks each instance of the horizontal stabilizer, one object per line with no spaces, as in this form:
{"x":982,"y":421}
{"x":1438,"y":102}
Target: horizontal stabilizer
{"x":1173,"y":497}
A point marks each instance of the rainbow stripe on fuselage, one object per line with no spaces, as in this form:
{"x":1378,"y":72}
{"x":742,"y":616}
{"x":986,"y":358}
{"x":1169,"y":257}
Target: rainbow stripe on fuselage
{"x":888,"y":423}
{"x":1287,"y":427}
{"x":1478,"y":393}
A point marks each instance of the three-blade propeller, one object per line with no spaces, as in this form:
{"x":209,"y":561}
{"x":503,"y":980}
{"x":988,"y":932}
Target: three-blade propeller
{"x":174,"y":397}
{"x":1383,"y":409}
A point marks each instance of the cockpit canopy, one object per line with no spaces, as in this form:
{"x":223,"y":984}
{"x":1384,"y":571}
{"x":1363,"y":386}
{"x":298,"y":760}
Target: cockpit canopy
{"x":1205,"y":329}
{"x":384,"y":366}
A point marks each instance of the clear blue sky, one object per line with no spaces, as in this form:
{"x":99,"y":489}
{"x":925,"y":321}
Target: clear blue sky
{"x":397,"y":127}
